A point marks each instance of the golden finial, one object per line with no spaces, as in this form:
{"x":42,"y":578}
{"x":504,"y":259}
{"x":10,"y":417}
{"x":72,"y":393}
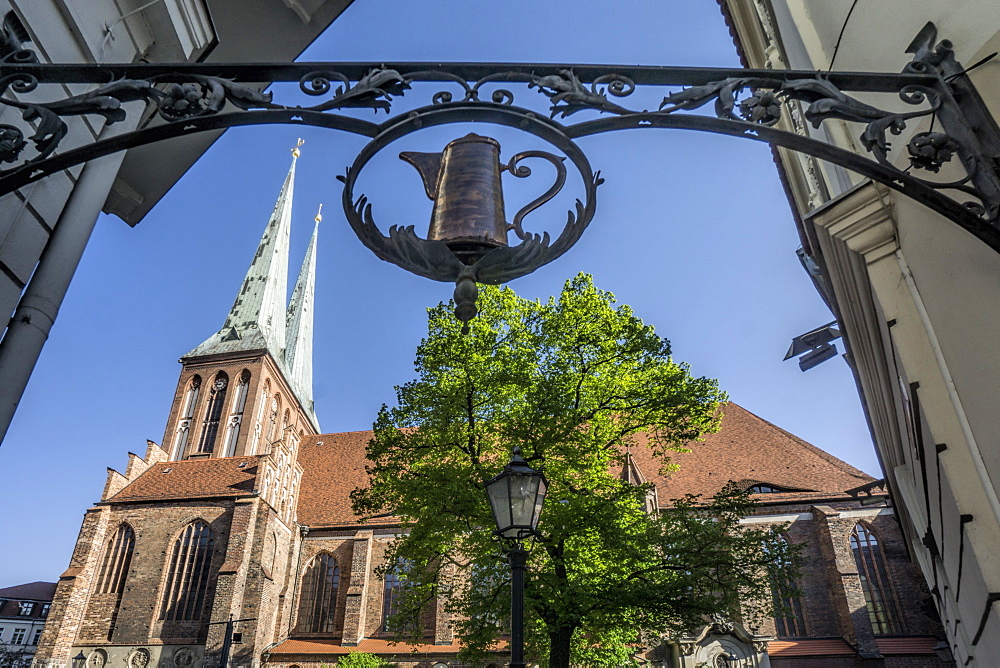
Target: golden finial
{"x":295,"y":151}
{"x":319,"y":215}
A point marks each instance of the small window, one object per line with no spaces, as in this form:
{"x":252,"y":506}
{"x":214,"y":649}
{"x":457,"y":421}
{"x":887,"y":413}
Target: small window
{"x":764,"y":488}
{"x":35,"y":638}
{"x":26,"y":608}
{"x":18,"y":637}
{"x":45,"y":609}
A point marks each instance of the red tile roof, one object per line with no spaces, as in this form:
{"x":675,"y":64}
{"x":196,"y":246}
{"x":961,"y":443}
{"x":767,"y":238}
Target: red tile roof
{"x":192,"y":479}
{"x":371,"y":645}
{"x":923,"y":646}
{"x":333,"y":465}
{"x":819,"y":647}
{"x":896,"y":646}
{"x":32,"y":591}
{"x":747,"y":448}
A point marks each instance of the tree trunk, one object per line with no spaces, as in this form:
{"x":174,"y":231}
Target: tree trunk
{"x":559,"y":641}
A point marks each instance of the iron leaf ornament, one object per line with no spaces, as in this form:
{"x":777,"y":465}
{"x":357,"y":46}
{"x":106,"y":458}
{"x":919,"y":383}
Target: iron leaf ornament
{"x":373,"y":91}
{"x":581,"y":100}
{"x":199,"y":96}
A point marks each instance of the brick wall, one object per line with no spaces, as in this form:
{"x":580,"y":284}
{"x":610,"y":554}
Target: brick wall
{"x":67,"y":614}
{"x":832,"y":598}
{"x":262,"y":369}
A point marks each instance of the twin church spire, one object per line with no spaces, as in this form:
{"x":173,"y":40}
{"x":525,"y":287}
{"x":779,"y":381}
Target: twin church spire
{"x":259,"y":318}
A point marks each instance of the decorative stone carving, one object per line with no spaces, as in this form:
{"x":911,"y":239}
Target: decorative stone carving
{"x":97,"y":659}
{"x":139,"y":658}
{"x":184,"y":658}
{"x":723,"y":643}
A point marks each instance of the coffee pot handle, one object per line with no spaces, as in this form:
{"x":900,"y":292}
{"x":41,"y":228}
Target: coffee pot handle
{"x":522,"y":172}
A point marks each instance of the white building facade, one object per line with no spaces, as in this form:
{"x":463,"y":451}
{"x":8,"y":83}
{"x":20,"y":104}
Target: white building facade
{"x":24,"y":610}
{"x":916,"y":296}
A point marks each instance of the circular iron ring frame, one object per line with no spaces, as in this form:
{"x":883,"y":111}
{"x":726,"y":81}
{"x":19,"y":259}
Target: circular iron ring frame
{"x":495,"y":114}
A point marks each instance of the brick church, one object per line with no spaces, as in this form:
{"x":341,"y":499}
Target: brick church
{"x":235,"y":536}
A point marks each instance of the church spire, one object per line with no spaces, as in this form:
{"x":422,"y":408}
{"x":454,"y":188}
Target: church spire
{"x":298,"y":354}
{"x":257,"y":318}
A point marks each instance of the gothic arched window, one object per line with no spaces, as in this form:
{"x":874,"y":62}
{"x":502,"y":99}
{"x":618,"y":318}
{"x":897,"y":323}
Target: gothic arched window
{"x":213,"y":413}
{"x":269,"y":555}
{"x":184,"y":419}
{"x":319,"y":595}
{"x":789,"y":619}
{"x":235,"y":421}
{"x":258,"y":428}
{"x":883,"y":610}
{"x":392,"y":591}
{"x":188,"y":570}
{"x":116,"y":561}
{"x":272,"y":428}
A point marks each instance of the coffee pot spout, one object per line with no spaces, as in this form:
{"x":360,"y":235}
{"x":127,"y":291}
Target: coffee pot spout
{"x":429,"y":166}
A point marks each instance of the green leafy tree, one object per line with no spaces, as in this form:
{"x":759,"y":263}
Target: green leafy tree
{"x":361,"y":660}
{"x":13,"y":656}
{"x":571,"y":381}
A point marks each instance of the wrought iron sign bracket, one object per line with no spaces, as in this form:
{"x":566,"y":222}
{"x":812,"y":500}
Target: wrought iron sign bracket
{"x":956,"y":132}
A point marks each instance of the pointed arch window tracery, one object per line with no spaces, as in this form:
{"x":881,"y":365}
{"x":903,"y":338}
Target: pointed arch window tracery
{"x":272,"y":428}
{"x":392,"y":591}
{"x":880,"y":597}
{"x":116,"y":561}
{"x":270,"y":555}
{"x":186,"y":416}
{"x":188,"y":570}
{"x":789,"y":617}
{"x":213,"y":413}
{"x":258,"y":428}
{"x":318,"y":601}
{"x":235,"y":421}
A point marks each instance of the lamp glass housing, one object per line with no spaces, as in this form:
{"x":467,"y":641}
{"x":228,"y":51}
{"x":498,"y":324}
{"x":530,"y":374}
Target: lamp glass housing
{"x":516,"y":497}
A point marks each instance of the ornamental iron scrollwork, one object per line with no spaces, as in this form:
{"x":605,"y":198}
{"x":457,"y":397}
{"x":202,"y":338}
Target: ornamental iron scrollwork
{"x":493,"y":262}
{"x":579,"y":100}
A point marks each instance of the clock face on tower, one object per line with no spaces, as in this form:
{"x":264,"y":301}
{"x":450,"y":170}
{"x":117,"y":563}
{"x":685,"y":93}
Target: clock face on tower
{"x":220,"y":384}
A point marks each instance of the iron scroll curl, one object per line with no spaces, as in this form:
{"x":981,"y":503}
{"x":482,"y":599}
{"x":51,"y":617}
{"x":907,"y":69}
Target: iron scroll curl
{"x":434,"y":259}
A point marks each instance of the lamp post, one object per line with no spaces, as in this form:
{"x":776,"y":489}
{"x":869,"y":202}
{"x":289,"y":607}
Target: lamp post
{"x":516,"y":496}
{"x":79,"y":661}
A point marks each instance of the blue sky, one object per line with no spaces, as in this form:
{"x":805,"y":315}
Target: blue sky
{"x":692,"y":230}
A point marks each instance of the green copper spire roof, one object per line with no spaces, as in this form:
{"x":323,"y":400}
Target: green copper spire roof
{"x":298,"y":354}
{"x":259,"y":319}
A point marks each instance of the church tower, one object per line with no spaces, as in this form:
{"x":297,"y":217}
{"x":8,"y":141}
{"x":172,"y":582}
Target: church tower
{"x":204,"y":529}
{"x":248,"y":388}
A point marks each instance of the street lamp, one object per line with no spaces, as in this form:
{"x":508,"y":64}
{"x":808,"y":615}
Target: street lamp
{"x":79,"y":661}
{"x":516,"y":497}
